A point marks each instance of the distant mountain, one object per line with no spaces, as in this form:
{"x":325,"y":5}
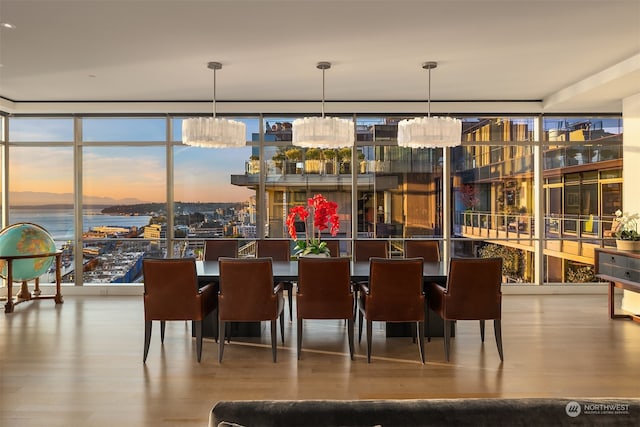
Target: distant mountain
{"x":35,"y":198}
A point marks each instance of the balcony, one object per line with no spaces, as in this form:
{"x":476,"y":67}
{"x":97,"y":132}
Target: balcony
{"x":570,"y":237}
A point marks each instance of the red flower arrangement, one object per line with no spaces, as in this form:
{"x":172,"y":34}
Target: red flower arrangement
{"x":325,"y":217}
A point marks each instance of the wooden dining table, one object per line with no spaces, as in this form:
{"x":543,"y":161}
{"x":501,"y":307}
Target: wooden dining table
{"x":287,"y":271}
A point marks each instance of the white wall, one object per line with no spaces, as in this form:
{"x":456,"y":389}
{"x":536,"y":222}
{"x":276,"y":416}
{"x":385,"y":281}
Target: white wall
{"x":631,"y":174}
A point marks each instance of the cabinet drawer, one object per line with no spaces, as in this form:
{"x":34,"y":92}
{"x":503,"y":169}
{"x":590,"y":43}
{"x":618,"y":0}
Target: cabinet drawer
{"x":614,"y":260}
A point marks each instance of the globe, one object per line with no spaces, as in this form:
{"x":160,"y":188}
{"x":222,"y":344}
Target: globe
{"x":25,"y":239}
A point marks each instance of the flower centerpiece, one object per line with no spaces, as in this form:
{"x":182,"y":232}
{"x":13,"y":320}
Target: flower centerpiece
{"x":625,"y":228}
{"x":324,"y":215}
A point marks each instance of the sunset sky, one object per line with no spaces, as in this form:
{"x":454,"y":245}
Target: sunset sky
{"x":126,"y":172}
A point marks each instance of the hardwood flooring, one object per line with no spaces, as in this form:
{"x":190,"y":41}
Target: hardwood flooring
{"x":80,"y":363}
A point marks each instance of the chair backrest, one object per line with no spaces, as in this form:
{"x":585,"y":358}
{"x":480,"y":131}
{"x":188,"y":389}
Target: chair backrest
{"x":334,"y":247}
{"x":396,"y":290}
{"x":277,"y":249}
{"x":363,"y":250}
{"x":246,"y":289}
{"x":428,"y":250}
{"x":324,"y":288}
{"x":216,"y":248}
{"x":171,"y":289}
{"x":473,"y":289}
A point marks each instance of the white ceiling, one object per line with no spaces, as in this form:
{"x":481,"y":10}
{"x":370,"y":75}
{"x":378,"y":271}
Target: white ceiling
{"x":570,"y":55}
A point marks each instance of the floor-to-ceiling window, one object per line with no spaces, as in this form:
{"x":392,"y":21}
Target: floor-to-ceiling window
{"x":41,"y":181}
{"x":136,"y":178}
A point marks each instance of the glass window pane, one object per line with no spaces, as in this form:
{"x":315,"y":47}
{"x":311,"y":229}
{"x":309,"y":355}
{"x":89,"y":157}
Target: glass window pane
{"x":41,"y":192}
{"x":212,"y":199}
{"x":123,"y":129}
{"x":40,"y":129}
{"x":125,"y":199}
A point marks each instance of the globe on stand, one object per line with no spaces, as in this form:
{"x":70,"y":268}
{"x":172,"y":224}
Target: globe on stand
{"x":25,"y":239}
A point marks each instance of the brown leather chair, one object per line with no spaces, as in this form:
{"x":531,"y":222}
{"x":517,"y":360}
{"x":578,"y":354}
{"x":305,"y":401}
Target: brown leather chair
{"x":428,"y":250}
{"x":334,"y":247}
{"x":171,"y":293}
{"x":277,"y":250}
{"x":216,"y":248}
{"x":324,"y":292}
{"x":247,"y":294}
{"x":472,"y":293}
{"x":363,"y":250}
{"x":394,"y":294}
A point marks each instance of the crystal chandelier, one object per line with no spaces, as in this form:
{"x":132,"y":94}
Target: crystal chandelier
{"x":323,"y":132}
{"x":213,"y":132}
{"x":429,"y":132}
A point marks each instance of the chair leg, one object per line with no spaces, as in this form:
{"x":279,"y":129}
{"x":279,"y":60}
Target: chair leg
{"x":426,"y":321}
{"x":447,"y":338}
{"x":214,"y":322}
{"x":369,"y":336}
{"x":482,"y":330}
{"x":497,"y":327}
{"x":350,"y":335}
{"x":299,"y":330}
{"x":221,"y":332}
{"x":147,"y":339}
{"x":413,"y":332}
{"x":198,"y":326}
{"x":289,"y":288}
{"x":359,"y":326}
{"x":282,"y":327}
{"x":421,"y":341}
{"x":274,"y":339}
{"x":163,"y":325}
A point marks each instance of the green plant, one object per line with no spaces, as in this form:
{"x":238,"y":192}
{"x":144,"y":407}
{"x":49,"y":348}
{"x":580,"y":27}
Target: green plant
{"x":344,"y":154}
{"x":329,"y":154}
{"x":313,"y":154}
{"x":626,"y":226}
{"x":293,"y":154}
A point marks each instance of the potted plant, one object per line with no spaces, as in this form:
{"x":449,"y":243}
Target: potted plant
{"x":324,"y":214}
{"x":312,"y":160}
{"x":626,"y":231}
{"x":330,"y":157}
{"x":344,"y":154}
{"x":294,"y":155}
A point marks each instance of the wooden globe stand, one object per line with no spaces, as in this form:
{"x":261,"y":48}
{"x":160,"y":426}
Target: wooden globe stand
{"x":24,"y":294}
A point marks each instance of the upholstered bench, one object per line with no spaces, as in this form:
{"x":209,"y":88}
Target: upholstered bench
{"x":431,"y":412}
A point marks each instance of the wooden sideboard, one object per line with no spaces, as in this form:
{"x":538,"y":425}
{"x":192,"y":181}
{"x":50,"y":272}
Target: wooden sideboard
{"x":622,"y":270}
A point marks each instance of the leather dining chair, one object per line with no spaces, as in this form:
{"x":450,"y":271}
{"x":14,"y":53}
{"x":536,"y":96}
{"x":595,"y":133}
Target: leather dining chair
{"x":394,"y":294}
{"x":428,"y":250}
{"x":216,"y":248}
{"x":334,"y":247}
{"x":277,"y":250}
{"x":247,"y":294}
{"x":324,"y":292}
{"x":363,"y":250}
{"x":472,"y":292}
{"x":171,"y":293}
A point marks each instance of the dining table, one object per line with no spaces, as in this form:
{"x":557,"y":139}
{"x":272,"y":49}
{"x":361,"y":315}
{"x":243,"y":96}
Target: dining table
{"x":287,"y":271}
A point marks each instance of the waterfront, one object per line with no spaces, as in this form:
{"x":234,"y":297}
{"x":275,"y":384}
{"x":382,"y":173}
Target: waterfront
{"x":59,"y":221}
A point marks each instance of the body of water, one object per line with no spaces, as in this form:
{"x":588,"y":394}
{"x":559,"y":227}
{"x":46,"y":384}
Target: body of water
{"x":59,"y":222}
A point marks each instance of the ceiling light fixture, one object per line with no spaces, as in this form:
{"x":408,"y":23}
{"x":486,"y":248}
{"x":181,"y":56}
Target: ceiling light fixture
{"x":212,"y":132}
{"x":429,"y":132}
{"x":323,"y":132}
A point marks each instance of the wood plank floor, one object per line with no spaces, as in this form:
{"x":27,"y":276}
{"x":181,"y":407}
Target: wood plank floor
{"x":80,"y":363}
